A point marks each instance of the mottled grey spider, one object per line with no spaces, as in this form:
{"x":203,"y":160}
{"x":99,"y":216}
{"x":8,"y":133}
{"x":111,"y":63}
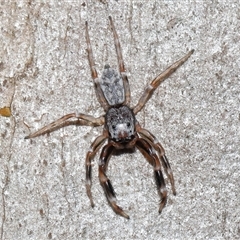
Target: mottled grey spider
{"x":121,"y":128}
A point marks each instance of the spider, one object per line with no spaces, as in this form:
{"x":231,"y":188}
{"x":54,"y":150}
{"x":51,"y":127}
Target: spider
{"x":121,"y":129}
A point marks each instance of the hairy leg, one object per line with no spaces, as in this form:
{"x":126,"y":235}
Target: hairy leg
{"x":82,"y":119}
{"x":156,"y":82}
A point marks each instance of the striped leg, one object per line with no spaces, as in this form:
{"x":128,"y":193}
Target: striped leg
{"x":95,"y":146}
{"x":106,"y":183}
{"x":158,"y":147}
{"x":148,"y":152}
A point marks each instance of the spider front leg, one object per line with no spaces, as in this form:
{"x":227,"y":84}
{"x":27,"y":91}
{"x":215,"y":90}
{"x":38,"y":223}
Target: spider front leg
{"x":105,"y":182}
{"x":156,"y":82}
{"x":158,"y":147}
{"x":95,"y":146}
{"x":148,"y":152}
{"x":82,"y":119}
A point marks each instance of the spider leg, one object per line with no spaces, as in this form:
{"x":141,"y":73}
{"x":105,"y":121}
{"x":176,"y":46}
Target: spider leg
{"x":82,"y":119}
{"x":158,"y":147}
{"x":105,"y":182}
{"x":156,"y":82}
{"x":148,"y":152}
{"x":95,"y":146}
{"x":98,"y":90}
{"x":121,"y":63}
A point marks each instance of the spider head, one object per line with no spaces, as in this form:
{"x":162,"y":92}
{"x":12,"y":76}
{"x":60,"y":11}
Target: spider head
{"x":120,"y":123}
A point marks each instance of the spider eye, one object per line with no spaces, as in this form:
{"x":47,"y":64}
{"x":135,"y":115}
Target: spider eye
{"x":128,"y":124}
{"x":113,"y":127}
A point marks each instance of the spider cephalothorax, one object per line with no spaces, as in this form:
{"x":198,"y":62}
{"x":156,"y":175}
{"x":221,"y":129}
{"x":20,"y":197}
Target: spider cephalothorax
{"x":120,"y":123}
{"x":121,"y":128}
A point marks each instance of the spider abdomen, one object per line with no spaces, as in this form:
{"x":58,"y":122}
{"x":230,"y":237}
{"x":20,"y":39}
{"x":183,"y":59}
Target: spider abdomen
{"x":112,"y":86}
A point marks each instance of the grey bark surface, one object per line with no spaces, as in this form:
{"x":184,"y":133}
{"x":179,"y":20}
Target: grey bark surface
{"x":44,"y":74}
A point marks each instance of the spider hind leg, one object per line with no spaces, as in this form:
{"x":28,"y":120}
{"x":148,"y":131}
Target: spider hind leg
{"x":121,"y":64}
{"x":98,"y":90}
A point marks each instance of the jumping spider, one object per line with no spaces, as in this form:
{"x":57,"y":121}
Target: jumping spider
{"x":121,"y":129}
